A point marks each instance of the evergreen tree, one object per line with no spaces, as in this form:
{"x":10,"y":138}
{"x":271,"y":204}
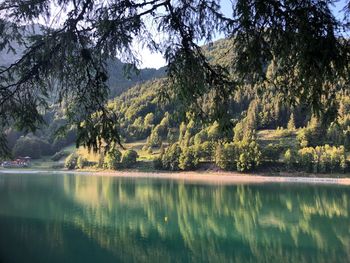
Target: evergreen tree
{"x":171,"y":136}
{"x":149,"y":118}
{"x":188,"y":159}
{"x":182,"y":131}
{"x":154,"y":140}
{"x":307,"y":53}
{"x":291,"y":123}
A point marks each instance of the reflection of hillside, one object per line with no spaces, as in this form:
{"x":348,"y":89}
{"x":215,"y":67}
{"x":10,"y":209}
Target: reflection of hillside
{"x":136,"y":221}
{"x":271,"y":225}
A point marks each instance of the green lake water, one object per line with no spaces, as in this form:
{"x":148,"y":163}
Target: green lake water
{"x":80,"y":218}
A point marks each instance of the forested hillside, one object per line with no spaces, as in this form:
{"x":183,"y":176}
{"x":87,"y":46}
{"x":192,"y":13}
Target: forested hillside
{"x":178,"y":137}
{"x":45,"y":140}
{"x":265,"y":128}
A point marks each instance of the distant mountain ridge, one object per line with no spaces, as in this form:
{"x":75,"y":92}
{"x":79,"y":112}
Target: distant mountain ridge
{"x":118,"y":82}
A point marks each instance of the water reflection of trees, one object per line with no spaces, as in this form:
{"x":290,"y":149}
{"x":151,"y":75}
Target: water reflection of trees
{"x":169,"y":221}
{"x":273,"y":222}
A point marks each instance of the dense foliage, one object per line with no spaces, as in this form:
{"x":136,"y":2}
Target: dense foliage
{"x":320,"y":159}
{"x":178,"y":140}
{"x":241,"y":155}
{"x":112,"y":159}
{"x":81,"y":162}
{"x":32,"y":147}
{"x":129,"y":158}
{"x":71,"y":161}
{"x":295,"y":48}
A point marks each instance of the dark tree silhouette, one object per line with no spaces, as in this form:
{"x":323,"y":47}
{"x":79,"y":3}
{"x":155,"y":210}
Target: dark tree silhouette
{"x":296,"y":45}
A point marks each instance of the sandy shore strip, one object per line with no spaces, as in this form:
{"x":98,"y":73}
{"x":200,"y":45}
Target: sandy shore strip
{"x":209,"y":177}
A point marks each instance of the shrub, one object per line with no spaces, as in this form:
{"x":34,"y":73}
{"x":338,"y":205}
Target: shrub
{"x":330,"y":158}
{"x":219,"y":156}
{"x":290,"y":158}
{"x":238,"y":132}
{"x":112,"y":159}
{"x":101,"y":160}
{"x":272,"y":152}
{"x":154,"y":140}
{"x":71,"y":161}
{"x":306,"y":157}
{"x":201,"y":137}
{"x":322,"y":158}
{"x":291,"y":123}
{"x":243,"y":156}
{"x":243,"y":163}
{"x":157,"y":163}
{"x":213,"y":131}
{"x":204,"y":150}
{"x":249,"y":155}
{"x":347,"y":138}
{"x":225,"y":156}
{"x":335,"y":134}
{"x":312,"y":135}
{"x":302,"y":138}
{"x":188,"y":159}
{"x":81,"y":162}
{"x":281,"y":132}
{"x":170,"y":159}
{"x":171,"y":136}
{"x":207,"y":149}
{"x":149,"y":119}
{"x":129,"y":158}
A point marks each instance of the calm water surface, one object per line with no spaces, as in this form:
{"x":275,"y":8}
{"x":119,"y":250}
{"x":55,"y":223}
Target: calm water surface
{"x":77,"y":218}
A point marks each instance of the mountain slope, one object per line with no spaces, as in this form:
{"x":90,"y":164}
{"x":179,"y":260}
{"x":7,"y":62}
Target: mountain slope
{"x":118,"y":82}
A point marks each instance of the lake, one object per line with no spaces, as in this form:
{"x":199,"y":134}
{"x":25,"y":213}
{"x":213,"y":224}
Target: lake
{"x":80,"y":218}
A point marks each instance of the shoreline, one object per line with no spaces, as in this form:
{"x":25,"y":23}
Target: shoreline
{"x":210,"y":177}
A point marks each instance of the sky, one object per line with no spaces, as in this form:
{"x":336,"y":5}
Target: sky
{"x":151,"y":60}
{"x":156,"y":60}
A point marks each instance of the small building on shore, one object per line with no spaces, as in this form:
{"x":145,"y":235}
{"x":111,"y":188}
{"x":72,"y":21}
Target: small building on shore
{"x":19,"y":162}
